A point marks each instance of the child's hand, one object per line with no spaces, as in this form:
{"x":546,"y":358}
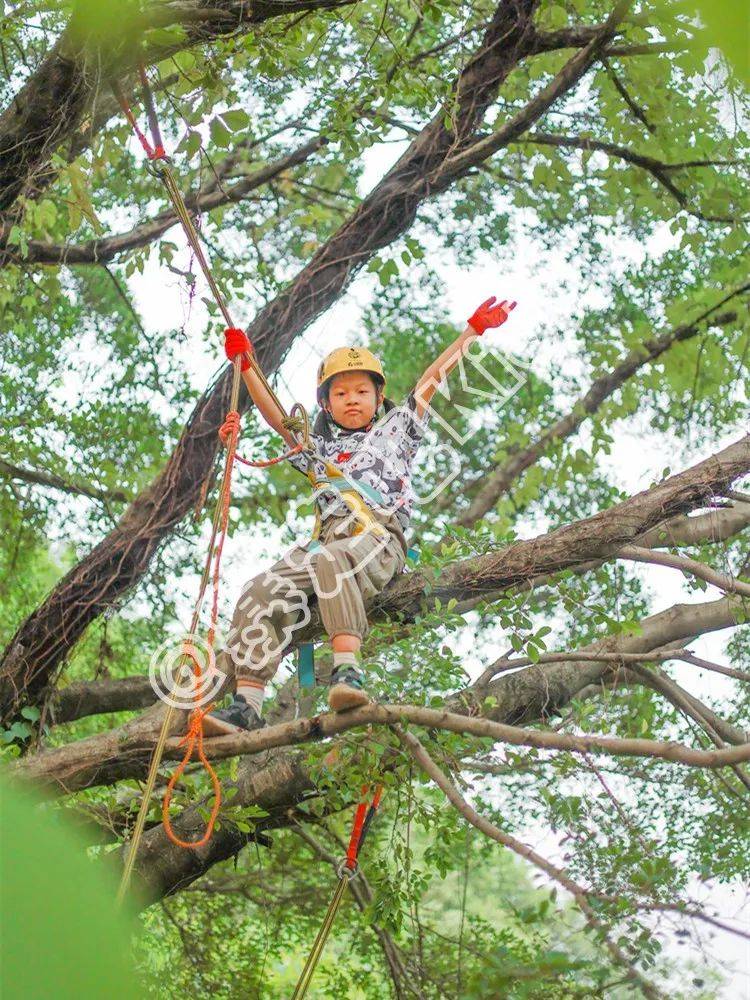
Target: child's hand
{"x":236,"y":342}
{"x":489,"y":315}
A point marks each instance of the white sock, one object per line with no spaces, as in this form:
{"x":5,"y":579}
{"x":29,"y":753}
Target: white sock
{"x":253,"y":693}
{"x":341,"y":660}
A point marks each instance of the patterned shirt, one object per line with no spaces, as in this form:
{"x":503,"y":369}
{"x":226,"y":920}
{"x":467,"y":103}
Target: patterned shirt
{"x":380,"y":458}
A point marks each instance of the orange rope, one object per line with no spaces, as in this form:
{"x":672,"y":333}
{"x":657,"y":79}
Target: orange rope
{"x":193,"y":738}
{"x":194,"y":735}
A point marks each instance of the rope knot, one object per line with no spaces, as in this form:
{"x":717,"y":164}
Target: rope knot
{"x":296,"y":425}
{"x":195,"y":725}
{"x":230,"y":428}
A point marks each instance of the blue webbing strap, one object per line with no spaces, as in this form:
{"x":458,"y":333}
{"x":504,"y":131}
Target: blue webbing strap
{"x":306,"y":665}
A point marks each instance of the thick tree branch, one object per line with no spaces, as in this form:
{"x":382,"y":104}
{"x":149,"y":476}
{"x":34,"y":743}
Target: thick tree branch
{"x":100,"y":697}
{"x":115,"y":694}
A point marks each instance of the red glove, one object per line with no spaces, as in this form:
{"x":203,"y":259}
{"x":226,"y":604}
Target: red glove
{"x":489,"y":315}
{"x":236,"y":342}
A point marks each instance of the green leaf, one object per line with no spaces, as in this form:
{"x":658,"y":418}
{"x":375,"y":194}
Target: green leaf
{"x":220,"y":134}
{"x":166,"y":38}
{"x":236,"y":119}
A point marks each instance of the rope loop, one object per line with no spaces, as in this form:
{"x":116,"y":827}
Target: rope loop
{"x":298,"y":424}
{"x":193,"y":738}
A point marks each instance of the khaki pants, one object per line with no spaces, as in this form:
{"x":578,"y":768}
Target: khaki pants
{"x":340,"y":576}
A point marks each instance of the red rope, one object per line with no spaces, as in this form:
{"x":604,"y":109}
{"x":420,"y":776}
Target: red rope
{"x":148,"y":149}
{"x":157,"y":151}
{"x":360,"y":818}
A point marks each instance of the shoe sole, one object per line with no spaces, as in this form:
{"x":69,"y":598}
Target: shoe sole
{"x":341,"y":697}
{"x":217,"y":727}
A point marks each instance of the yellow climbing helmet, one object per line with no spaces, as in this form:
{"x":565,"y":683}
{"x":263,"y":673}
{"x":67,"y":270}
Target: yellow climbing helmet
{"x":348,"y":359}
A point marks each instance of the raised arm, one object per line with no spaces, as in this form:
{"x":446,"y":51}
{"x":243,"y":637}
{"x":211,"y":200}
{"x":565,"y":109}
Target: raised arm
{"x":236,"y":342}
{"x":489,"y":314}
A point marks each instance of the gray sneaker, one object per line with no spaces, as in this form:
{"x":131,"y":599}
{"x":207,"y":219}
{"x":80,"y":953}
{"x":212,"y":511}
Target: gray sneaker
{"x":238,"y":718}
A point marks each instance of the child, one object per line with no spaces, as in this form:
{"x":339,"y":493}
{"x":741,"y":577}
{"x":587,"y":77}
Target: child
{"x":361,"y":544}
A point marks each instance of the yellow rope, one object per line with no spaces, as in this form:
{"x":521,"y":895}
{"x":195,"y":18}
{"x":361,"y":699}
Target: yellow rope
{"x":300,"y":990}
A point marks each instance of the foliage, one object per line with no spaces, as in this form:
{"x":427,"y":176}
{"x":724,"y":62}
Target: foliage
{"x":644,"y":207}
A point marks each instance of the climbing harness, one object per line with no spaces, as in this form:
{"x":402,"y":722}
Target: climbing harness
{"x":347,"y":870}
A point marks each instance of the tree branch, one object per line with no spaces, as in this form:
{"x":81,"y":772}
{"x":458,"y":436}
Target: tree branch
{"x":52,"y":481}
{"x":688,"y":657}
{"x":53,"y":770}
{"x":207,"y":198}
{"x":717,"y":727}
{"x":104,"y":759}
{"x":658,"y":170}
{"x":714,"y":526}
{"x":634,"y":553}
{"x":568,"y":76}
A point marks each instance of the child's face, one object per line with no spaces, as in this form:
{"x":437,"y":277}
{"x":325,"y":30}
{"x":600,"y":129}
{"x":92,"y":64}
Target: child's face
{"x":353,"y":399}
